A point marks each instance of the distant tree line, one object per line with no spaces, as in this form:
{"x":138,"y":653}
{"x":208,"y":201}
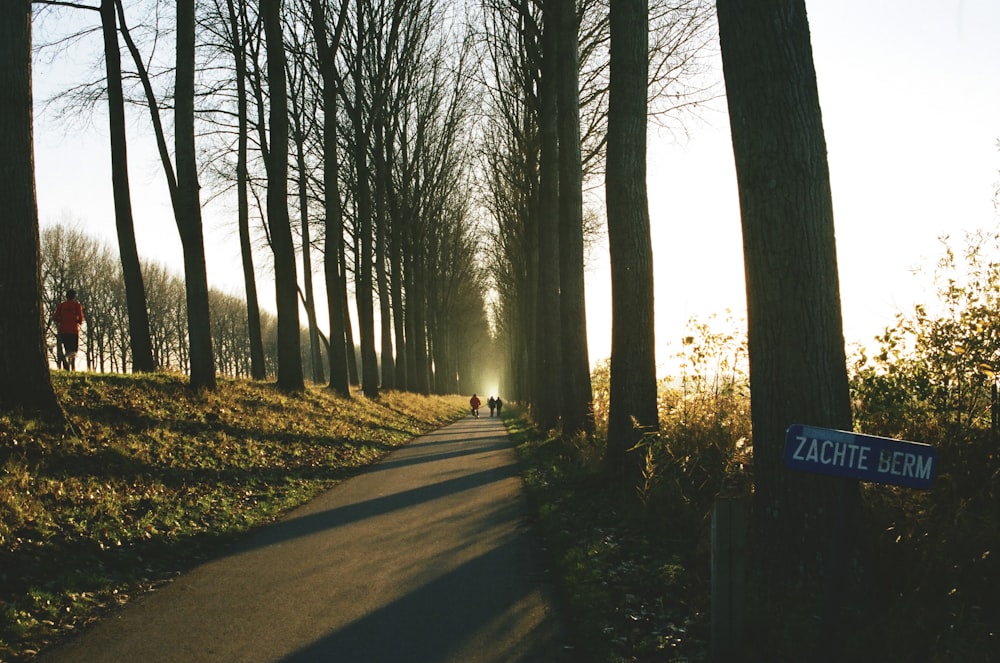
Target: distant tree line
{"x":72,"y":259}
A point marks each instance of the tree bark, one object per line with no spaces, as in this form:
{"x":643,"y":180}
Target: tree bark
{"x":332,"y":212}
{"x":25,"y":381}
{"x":548,"y":390}
{"x":363,"y":288}
{"x":258,"y":370}
{"x":381,"y":275}
{"x":187,"y":206}
{"x":396,"y":280}
{"x":309,"y":301}
{"x":290,"y":376}
{"x":140,"y":343}
{"x":806,"y":524}
{"x":578,"y":412}
{"x":632,"y":408}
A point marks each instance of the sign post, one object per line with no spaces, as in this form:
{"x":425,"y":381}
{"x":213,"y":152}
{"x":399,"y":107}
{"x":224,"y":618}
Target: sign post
{"x":865,"y":457}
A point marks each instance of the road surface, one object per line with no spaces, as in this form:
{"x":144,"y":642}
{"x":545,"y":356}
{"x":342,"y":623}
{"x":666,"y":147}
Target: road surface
{"x":423,"y":558}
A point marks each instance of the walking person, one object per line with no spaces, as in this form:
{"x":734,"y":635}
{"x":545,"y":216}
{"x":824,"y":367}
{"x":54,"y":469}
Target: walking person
{"x":68,"y":317}
{"x":474,"y":403}
{"x":493,"y":405}
{"x":499,"y":404}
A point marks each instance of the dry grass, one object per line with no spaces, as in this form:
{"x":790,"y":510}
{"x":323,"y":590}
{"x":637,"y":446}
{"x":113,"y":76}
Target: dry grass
{"x":155,"y":478}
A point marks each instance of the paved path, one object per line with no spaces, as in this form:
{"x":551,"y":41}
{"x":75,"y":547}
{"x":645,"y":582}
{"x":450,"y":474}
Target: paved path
{"x":424,"y":558}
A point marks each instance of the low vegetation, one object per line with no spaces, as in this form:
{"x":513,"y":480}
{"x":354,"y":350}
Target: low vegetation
{"x":155,"y":479}
{"x":635,"y":567}
{"x":636,"y":564}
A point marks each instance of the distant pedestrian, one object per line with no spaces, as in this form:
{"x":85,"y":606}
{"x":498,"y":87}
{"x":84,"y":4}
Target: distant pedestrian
{"x":69,"y":316}
{"x":499,"y":404}
{"x":493,"y":405}
{"x":474,"y":403}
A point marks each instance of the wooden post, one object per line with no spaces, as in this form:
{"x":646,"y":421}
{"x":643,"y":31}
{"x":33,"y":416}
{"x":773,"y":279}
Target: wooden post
{"x":730,"y":521}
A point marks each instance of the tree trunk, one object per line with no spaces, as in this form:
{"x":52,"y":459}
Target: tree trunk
{"x":25,"y":381}
{"x":135,"y":292}
{"x":352,"y":355}
{"x":332,"y":212}
{"x":257,"y":366}
{"x":548,"y":390}
{"x":806,"y":524}
{"x":381,"y":277}
{"x":632,"y":408}
{"x":364,"y":292}
{"x":401,"y":376}
{"x":309,"y":302}
{"x":578,"y":412}
{"x":187,"y":206}
{"x":290,"y":376}
{"x":417,"y":302}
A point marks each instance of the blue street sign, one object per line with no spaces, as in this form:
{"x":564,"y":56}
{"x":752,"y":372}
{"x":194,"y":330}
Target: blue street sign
{"x":865,"y":457}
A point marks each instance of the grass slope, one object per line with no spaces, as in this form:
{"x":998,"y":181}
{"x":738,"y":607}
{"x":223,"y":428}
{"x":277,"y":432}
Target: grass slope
{"x":156,"y":478}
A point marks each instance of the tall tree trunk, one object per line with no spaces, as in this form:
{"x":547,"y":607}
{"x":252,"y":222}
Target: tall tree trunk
{"x":402,"y":378}
{"x":309,"y":302}
{"x":577,"y":407}
{"x":290,"y":376}
{"x":334,"y":246}
{"x":25,"y":381}
{"x":548,"y":390}
{"x":258,"y":370}
{"x":632,"y":408}
{"x":352,"y":355}
{"x":332,"y":211}
{"x":806,"y":524}
{"x":417,"y":301}
{"x":382,"y":279}
{"x":187,"y":206}
{"x":363,"y":290}
{"x":140,"y":342}
{"x":197,"y":357}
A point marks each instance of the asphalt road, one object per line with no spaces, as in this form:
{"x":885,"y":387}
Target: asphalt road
{"x":424,"y":558}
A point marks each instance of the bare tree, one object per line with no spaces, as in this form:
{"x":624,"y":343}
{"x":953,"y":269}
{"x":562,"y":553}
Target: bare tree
{"x":25,"y":381}
{"x":547,"y":397}
{"x":510,"y":162}
{"x":358,"y":106}
{"x":187,"y":205}
{"x":632,"y":408}
{"x":238,"y":33}
{"x":679,"y":37}
{"x":577,"y":405}
{"x":304,"y":124}
{"x":333,"y":223}
{"x":135,"y":291}
{"x":798,"y":368}
{"x":289,"y":350}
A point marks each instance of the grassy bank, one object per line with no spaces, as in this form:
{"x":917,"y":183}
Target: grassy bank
{"x":154,"y":479}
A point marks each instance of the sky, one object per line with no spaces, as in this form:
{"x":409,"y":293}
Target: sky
{"x":910,"y":97}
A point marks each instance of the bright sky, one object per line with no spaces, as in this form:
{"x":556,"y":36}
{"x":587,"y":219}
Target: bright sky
{"x":910,"y":92}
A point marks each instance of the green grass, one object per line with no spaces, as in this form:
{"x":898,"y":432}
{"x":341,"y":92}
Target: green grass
{"x":154,"y":478}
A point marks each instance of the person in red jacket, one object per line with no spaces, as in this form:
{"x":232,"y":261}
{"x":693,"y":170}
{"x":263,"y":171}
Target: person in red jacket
{"x":474,"y":402}
{"x":69,"y":316}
